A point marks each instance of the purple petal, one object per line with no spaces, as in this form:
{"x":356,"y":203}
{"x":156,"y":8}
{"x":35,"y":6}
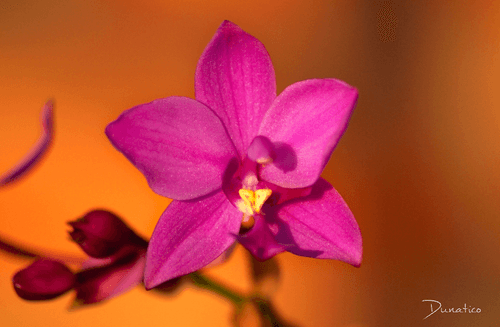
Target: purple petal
{"x":37,"y":151}
{"x":260,"y":240}
{"x":104,"y":282}
{"x":235,"y":77}
{"x":190,"y":235}
{"x":43,"y":280}
{"x":281,"y":194}
{"x":305,"y":123}
{"x":178,"y":143}
{"x":224,"y":256}
{"x":320,"y":226}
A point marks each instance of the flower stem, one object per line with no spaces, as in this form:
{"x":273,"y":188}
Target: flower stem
{"x":210,"y":284}
{"x":20,"y":251}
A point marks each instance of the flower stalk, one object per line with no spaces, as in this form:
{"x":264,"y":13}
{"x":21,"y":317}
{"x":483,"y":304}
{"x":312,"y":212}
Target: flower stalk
{"x":216,"y":287}
{"x":265,"y":310}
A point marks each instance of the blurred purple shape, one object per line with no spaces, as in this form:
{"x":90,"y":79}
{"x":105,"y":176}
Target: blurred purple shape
{"x":37,"y":151}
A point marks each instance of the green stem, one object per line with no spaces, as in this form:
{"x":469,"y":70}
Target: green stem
{"x":210,"y":284}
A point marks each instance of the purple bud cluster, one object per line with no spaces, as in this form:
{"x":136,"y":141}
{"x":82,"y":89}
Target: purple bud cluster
{"x":115,"y":264}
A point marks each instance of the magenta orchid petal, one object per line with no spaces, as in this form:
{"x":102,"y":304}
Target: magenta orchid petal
{"x":190,"y":235}
{"x":235,"y":78}
{"x":37,"y":151}
{"x":179,"y":145}
{"x":281,"y":194}
{"x":320,"y":226}
{"x":224,"y":256}
{"x":260,"y":240}
{"x":305,"y":124}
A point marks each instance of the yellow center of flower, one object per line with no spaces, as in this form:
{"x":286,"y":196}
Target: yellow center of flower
{"x":250,"y":204}
{"x":252,"y":201}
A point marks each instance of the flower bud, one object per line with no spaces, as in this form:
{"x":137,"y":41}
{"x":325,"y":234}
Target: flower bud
{"x":101,"y":233}
{"x":44,"y":279}
{"x":101,"y":283}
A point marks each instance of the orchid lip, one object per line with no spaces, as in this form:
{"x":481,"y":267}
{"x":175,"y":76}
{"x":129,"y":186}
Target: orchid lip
{"x":247,"y":192}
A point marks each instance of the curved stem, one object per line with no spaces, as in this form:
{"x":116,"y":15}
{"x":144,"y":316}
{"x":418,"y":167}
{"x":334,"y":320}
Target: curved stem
{"x":266,"y":310}
{"x":13,"y":249}
{"x":214,"y":286}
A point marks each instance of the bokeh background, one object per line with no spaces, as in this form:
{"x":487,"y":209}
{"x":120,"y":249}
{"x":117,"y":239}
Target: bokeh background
{"x":418,"y":165}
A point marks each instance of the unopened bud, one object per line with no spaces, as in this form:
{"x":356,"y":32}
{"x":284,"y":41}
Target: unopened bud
{"x":104,"y":282}
{"x":44,"y":279}
{"x":101,"y":233}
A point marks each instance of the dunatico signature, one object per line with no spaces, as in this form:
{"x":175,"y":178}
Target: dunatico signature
{"x":464,"y":309}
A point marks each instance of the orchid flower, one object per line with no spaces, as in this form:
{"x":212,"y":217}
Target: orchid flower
{"x":37,"y":151}
{"x":241,"y":163}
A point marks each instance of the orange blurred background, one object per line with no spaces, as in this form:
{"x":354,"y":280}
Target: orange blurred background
{"x":418,"y":165}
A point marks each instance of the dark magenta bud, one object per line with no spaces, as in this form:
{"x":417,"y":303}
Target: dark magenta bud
{"x":101,"y":283}
{"x":101,"y":233}
{"x":44,"y":279}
